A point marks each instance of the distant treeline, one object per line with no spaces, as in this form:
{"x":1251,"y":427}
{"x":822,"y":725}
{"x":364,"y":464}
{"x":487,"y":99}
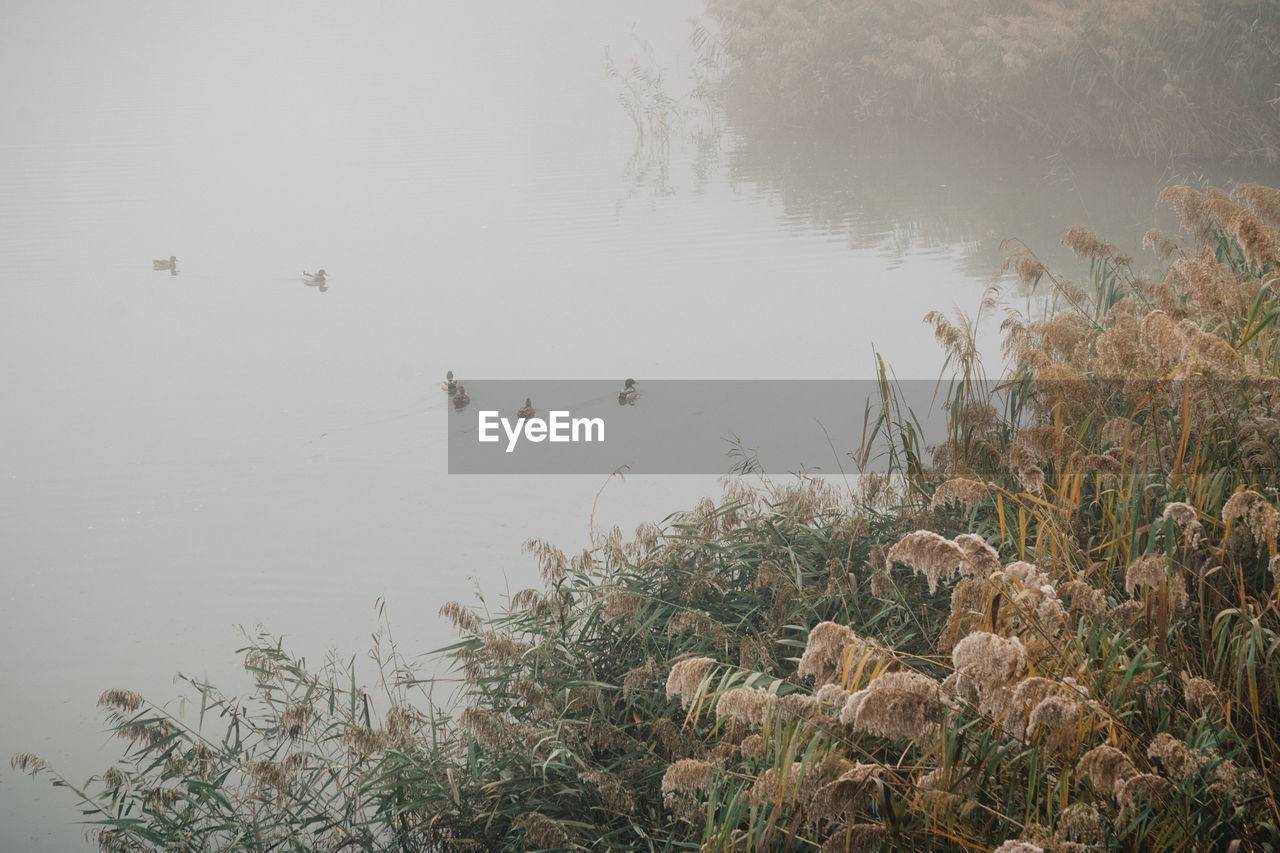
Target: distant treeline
{"x":1166,"y":79}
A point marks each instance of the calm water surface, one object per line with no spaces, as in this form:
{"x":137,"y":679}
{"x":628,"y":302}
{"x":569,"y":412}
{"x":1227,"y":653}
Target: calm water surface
{"x":183,"y":454}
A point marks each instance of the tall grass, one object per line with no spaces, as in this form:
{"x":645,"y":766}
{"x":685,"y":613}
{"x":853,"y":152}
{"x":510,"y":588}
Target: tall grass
{"x":1057,"y":630}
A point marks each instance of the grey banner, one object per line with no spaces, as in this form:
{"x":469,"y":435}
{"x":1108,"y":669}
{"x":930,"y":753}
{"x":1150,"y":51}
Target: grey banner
{"x":676,"y":426}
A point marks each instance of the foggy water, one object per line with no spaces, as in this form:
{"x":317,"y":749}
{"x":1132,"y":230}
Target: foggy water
{"x":185,"y":453}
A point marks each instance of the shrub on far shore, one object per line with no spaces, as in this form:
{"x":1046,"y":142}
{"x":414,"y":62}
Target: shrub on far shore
{"x":1159,"y":79}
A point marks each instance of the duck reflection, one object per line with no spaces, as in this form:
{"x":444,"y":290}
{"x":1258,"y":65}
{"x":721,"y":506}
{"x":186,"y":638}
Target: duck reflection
{"x":315,"y":279}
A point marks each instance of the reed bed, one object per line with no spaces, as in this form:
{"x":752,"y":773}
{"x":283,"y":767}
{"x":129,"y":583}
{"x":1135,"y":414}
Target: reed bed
{"x":1163,"y":79}
{"x":1055,"y":631}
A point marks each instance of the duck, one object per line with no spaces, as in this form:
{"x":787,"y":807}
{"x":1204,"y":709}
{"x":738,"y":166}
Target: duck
{"x":161,"y":264}
{"x":527,"y":410}
{"x":460,"y":399}
{"x":449,"y":384}
{"x":313,"y":278}
{"x":629,"y":392}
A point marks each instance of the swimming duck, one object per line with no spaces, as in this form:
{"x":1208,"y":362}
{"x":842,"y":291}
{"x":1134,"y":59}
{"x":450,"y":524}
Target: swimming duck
{"x":629,"y":392}
{"x":171,"y":264}
{"x":460,"y":399}
{"x":449,"y":384}
{"x":313,"y":278}
{"x":527,"y":410}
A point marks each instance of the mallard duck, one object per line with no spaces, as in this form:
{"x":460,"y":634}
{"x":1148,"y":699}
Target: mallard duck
{"x":171,"y":264}
{"x":460,"y":398}
{"x":313,"y":278}
{"x":629,"y":392}
{"x":527,"y":410}
{"x":449,"y":384}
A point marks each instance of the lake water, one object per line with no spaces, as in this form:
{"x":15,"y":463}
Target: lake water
{"x":182,"y":454}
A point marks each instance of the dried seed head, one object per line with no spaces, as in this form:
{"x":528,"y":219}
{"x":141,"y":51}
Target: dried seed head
{"x":1105,"y":767}
{"x":489,"y":728}
{"x":1024,"y":264}
{"x":837,"y":800}
{"x":1212,"y":285}
{"x":881,"y":584}
{"x":1200,"y":694}
{"x":121,"y":700}
{"x":990,"y":661}
{"x":693,"y":622}
{"x":1086,"y":244}
{"x":686,"y":677}
{"x":748,"y":704}
{"x":783,"y":784}
{"x":1026,"y":574}
{"x":686,"y":776}
{"x":1101,"y":464}
{"x":1163,"y":339}
{"x":1169,"y":754}
{"x":503,"y":649}
{"x":1187,"y":519}
{"x":529,"y":600}
{"x":541,"y":832}
{"x":401,"y":723}
{"x":552,"y":562}
{"x":1056,"y":718}
{"x":1149,"y":571}
{"x":1259,"y":242}
{"x":1080,"y":823}
{"x":824,"y":651}
{"x":1263,"y":201}
{"x":961,"y":491}
{"x":936,"y":557}
{"x":753,"y":746}
{"x":980,"y":558}
{"x":1018,"y":847}
{"x":1142,"y":789}
{"x":463,"y":619}
{"x":1260,"y":517}
{"x":893,"y":712}
{"x":1162,"y":244}
{"x":148,"y":734}
{"x":794,"y":706}
{"x":364,"y":741}
{"x":267,"y":774}
{"x":855,"y":838}
{"x":641,"y":678}
{"x":613,"y":793}
{"x":294,"y":720}
{"x":1050,"y":615}
{"x":1188,"y":203}
{"x":832,"y":695}
{"x":621,"y":606}
{"x":28,"y":762}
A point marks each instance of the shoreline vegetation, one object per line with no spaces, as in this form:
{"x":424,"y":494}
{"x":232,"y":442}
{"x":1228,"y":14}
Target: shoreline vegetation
{"x":1056,"y":631}
{"x":1165,"y":80}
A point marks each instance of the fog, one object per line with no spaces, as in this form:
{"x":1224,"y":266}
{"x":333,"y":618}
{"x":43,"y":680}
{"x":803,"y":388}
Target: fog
{"x":228,"y":446}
